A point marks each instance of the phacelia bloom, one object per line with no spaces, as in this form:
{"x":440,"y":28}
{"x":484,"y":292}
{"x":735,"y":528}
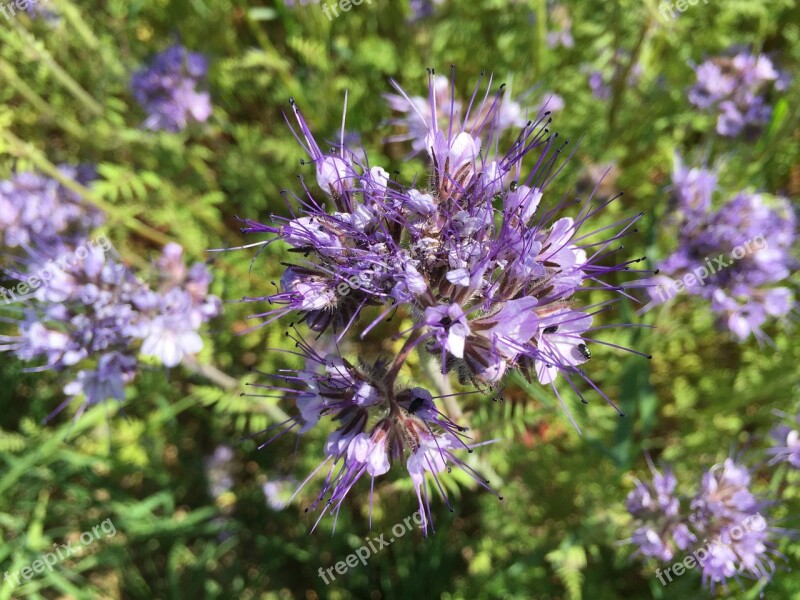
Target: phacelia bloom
{"x":727,"y":517}
{"x":169,"y":90}
{"x":37,"y":212}
{"x":376,"y":427}
{"x":41,"y":9}
{"x":737,"y":90}
{"x":786,"y":438}
{"x":90,"y":315}
{"x":660,"y":532}
{"x":732,"y":256}
{"x":506,"y":114}
{"x":476,"y":258}
{"x":724,"y":526}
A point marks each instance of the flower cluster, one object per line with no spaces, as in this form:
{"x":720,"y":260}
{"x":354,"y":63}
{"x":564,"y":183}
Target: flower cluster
{"x":39,"y":212}
{"x":168,"y":90}
{"x":376,"y":427}
{"x":742,"y":292}
{"x":656,"y":506}
{"x":415,"y":113}
{"x":724,"y":525}
{"x":736,"y":89}
{"x":487,"y":277}
{"x":87,"y":313}
{"x":93,"y":317}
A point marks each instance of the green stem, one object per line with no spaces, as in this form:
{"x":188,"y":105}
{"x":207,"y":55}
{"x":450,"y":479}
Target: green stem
{"x":621,"y":82}
{"x":541,"y":36}
{"x":73,"y":17}
{"x":68,"y":125}
{"x":38,"y":51}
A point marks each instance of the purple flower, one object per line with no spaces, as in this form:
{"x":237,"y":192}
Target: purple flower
{"x":423,"y":9}
{"x":742,"y":249}
{"x":656,"y":508}
{"x":219,"y":471}
{"x":37,"y":10}
{"x":475,"y":260}
{"x":736,"y":89}
{"x":726,"y":513}
{"x":372,"y":432}
{"x":40,"y":213}
{"x":106,"y":381}
{"x":786,"y":446}
{"x":502,"y":115}
{"x":168,"y":90}
{"x":611,"y":68}
{"x":562,"y":34}
{"x":450,"y":326}
{"x":723,"y":528}
{"x":95,"y":315}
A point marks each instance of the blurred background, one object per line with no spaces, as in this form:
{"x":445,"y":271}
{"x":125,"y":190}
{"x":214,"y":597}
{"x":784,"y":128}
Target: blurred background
{"x":198,"y":510}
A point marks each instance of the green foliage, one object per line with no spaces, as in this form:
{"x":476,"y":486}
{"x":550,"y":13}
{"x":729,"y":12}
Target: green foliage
{"x":65,"y":99}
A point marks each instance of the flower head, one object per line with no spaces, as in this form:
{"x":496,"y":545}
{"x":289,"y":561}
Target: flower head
{"x":742,"y":249}
{"x":724,"y":527}
{"x":376,"y":427}
{"x":726,"y":512}
{"x":736,"y":89}
{"x":786,"y":439}
{"x":93,"y":314}
{"x":40,"y":213}
{"x":168,"y":89}
{"x":476,"y":261}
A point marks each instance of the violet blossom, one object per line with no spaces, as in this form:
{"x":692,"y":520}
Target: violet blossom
{"x":476,"y":259}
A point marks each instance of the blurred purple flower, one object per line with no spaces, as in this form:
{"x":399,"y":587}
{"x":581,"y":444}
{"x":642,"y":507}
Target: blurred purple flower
{"x":612,"y":67}
{"x":727,"y":513}
{"x":736,"y":89}
{"x":91,"y":313}
{"x":786,"y":446}
{"x":168,"y":90}
{"x":723,"y":529}
{"x":37,"y":212}
{"x":423,"y":9}
{"x":744,"y":247}
{"x":561,"y":35}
